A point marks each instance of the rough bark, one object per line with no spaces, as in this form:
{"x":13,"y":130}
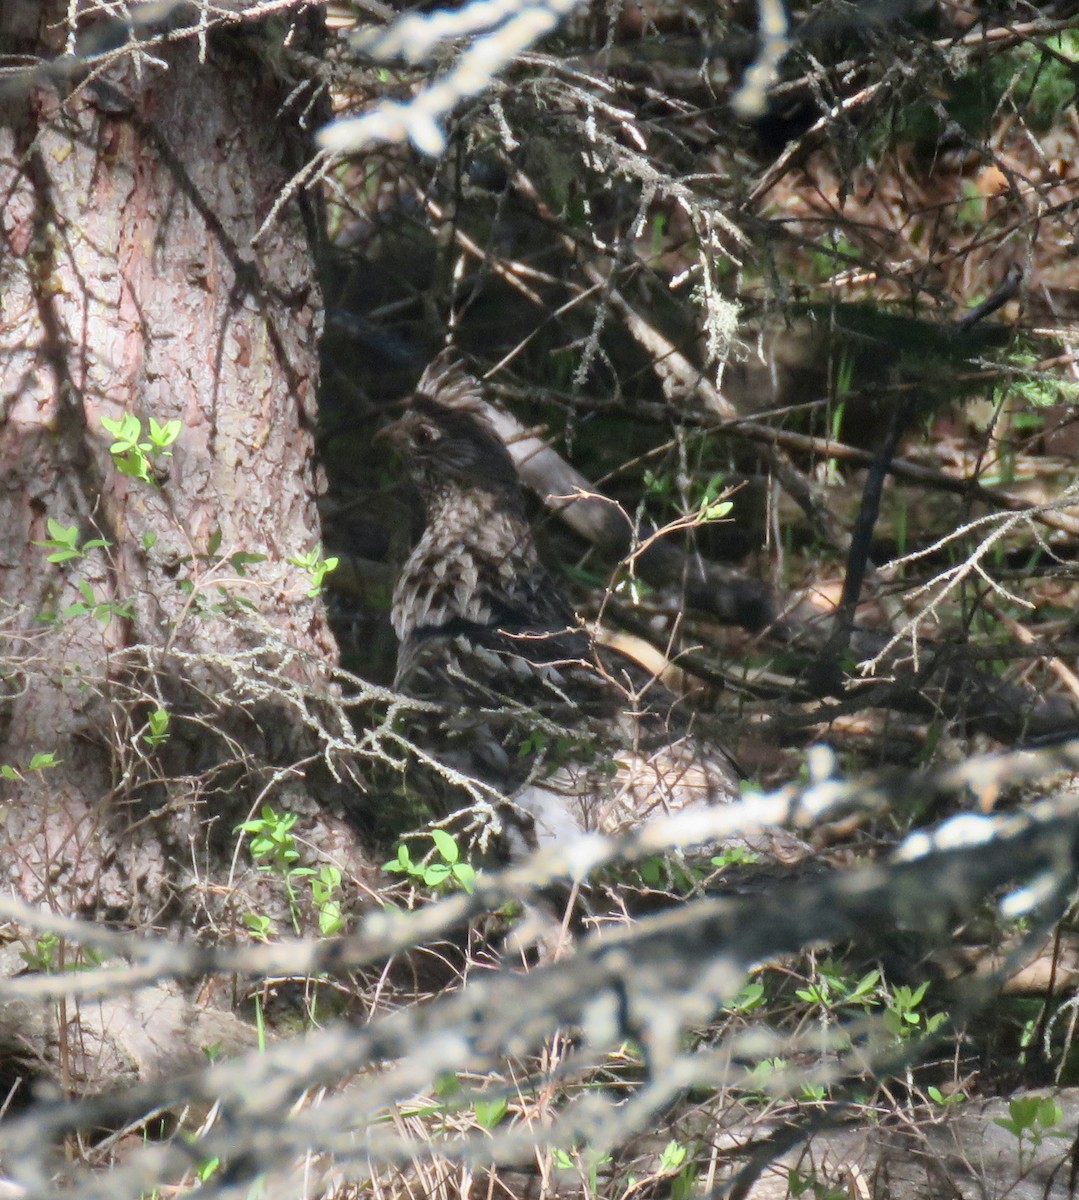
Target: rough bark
{"x":133,"y":282}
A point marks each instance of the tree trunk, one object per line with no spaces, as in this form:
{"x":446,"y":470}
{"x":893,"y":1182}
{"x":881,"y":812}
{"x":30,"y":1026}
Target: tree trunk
{"x":146,"y":272}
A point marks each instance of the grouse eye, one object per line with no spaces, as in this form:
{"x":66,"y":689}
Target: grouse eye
{"x":425,"y":435}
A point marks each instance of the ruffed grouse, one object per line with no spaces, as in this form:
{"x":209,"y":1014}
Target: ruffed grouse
{"x":568,"y":735}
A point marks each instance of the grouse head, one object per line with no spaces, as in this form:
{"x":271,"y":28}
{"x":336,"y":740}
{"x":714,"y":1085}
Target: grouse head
{"x":445,"y":440}
{"x":476,"y":563}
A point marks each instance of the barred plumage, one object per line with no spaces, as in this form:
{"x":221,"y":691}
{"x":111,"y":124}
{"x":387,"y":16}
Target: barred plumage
{"x":573,"y":736}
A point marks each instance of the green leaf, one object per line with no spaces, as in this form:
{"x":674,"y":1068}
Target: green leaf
{"x":260,"y":926}
{"x":43,"y":760}
{"x":1023,"y":1110}
{"x":403,"y":861}
{"x":164,"y":435}
{"x":9,"y":772}
{"x":749,"y":998}
{"x":651,"y":871}
{"x":659,"y":225}
{"x":465,"y":874}
{"x":158,"y":721}
{"x":207,"y":1168}
{"x":798,"y":1184}
{"x":490,"y":1112}
{"x":949,"y":1101}
{"x":672,"y":1156}
{"x":134,"y":465}
{"x":242,"y":559}
{"x":716,"y":511}
{"x":445,"y":845}
{"x":735,"y":856}
{"x":67,"y":535}
{"x":1049,"y":1113}
{"x":331,"y":920}
{"x":865,"y":985}
{"x":325,"y":883}
{"x":918,"y":996}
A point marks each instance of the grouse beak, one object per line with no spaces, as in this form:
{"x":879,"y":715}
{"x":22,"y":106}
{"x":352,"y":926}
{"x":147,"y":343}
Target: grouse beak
{"x":395,"y":434}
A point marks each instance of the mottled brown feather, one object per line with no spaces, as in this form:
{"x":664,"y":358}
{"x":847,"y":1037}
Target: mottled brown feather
{"x":575,"y":737}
